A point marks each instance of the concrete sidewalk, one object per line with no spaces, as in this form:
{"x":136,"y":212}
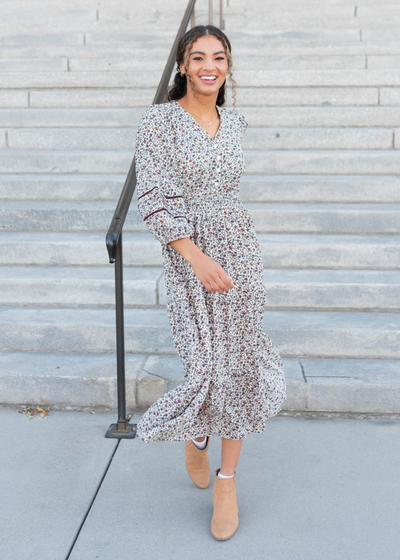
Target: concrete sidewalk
{"x":309,"y":488}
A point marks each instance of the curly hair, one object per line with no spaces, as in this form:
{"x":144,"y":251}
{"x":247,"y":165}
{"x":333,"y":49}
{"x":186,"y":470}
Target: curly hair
{"x":179,"y":87}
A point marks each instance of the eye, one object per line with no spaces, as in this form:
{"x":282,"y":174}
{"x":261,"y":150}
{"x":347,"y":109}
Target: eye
{"x":197,"y":58}
{"x":220,"y":58}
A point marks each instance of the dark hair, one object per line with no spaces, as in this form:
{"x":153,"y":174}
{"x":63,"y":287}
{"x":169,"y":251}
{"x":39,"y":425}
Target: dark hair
{"x":179,"y":87}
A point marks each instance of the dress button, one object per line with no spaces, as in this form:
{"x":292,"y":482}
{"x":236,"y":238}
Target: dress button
{"x":216,"y":183}
{"x":218,"y":170}
{"x":218,"y":157}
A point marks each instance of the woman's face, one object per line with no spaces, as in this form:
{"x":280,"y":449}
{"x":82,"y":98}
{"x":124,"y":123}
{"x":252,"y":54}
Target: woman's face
{"x":208,"y":65}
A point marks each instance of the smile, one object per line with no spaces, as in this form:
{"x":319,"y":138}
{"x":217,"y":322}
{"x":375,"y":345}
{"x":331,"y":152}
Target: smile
{"x":208,"y":79}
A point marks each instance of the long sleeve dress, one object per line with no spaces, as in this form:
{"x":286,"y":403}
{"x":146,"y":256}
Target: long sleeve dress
{"x":188,"y":186}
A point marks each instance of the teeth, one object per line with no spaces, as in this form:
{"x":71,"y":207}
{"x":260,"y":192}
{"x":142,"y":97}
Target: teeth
{"x":208,"y":77}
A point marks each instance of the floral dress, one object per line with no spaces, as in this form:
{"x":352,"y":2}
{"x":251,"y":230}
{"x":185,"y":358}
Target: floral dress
{"x":188,"y":186}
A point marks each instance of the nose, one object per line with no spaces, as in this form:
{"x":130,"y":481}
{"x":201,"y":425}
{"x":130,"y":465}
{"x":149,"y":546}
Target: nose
{"x":209,"y":64}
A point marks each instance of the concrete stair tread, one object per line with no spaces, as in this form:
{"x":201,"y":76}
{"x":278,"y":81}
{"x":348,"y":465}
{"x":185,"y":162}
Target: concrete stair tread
{"x":257,"y":117}
{"x":60,"y":364}
{"x":57,"y":365}
{"x":81,"y":273}
{"x":268,"y":217}
{"x":278,"y":250}
{"x":144,"y":287}
{"x":279,"y":238}
{"x":60,"y":379}
{"x":162,"y":47}
{"x":94,"y":205}
{"x":332,"y":334}
{"x":265,"y":138}
{"x":252,"y":78}
{"x":133,"y":97}
{"x":335,"y":277}
{"x":350,"y":189}
{"x":123,"y":63}
{"x":283,"y":275}
{"x":78,"y":286}
{"x":158,"y":318}
{"x":270,"y":162}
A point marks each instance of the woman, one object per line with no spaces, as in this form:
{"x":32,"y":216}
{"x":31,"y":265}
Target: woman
{"x":189,"y":162}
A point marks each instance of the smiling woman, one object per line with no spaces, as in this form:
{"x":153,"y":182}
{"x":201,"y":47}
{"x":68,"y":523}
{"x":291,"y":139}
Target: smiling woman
{"x":189,"y":163}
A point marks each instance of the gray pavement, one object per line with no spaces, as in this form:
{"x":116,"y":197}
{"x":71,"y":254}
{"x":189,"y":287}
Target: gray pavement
{"x":309,"y":488}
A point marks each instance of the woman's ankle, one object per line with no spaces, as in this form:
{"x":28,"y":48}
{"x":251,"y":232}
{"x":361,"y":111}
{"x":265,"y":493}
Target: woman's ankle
{"x":226,"y":473}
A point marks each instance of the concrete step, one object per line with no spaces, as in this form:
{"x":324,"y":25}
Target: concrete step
{"x":66,"y":381}
{"x":84,"y":286}
{"x":271,"y":217}
{"x":306,"y":62}
{"x":91,"y":118}
{"x":60,"y":37}
{"x":337,"y":290}
{"x":160,"y":48}
{"x":391,"y":61}
{"x":255,"y":139}
{"x":157,"y":63}
{"x":366,"y":252}
{"x":27,"y":39}
{"x":268,"y":162}
{"x":312,"y":25}
{"x":134,"y":97}
{"x":302,"y":9}
{"x":253,"y":188}
{"x":251,"y":78}
{"x":38,"y":5}
{"x":257,"y":117}
{"x":114,"y":34}
{"x":316,"y":188}
{"x":329,"y":162}
{"x":63,"y":187}
{"x":325,"y":218}
{"x":294,"y":62}
{"x":90,"y":25}
{"x":331,"y":117}
{"x":317,"y":139}
{"x":296,"y":333}
{"x":36,"y":65}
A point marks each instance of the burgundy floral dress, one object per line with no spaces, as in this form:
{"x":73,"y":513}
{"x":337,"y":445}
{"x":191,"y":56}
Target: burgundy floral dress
{"x":188,"y":186}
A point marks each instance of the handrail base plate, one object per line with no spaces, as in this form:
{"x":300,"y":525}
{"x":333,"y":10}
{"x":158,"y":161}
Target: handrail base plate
{"x":123,"y":431}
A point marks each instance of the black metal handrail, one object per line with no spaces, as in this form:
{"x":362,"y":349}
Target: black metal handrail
{"x":122,"y":429}
{"x":117,"y":223}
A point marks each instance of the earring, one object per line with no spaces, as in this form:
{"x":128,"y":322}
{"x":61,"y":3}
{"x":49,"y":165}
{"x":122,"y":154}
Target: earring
{"x":183,"y":75}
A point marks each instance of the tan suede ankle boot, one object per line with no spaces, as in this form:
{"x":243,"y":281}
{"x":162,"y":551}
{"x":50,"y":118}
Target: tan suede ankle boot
{"x":197,"y":463}
{"x":225,"y":520}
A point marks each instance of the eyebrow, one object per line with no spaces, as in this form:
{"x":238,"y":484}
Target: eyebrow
{"x":199,"y":52}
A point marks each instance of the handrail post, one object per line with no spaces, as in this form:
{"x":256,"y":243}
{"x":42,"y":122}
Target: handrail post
{"x":122,"y":429}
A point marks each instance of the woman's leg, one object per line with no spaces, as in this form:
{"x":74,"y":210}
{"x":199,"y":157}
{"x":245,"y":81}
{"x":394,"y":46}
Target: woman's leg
{"x":230,"y":451}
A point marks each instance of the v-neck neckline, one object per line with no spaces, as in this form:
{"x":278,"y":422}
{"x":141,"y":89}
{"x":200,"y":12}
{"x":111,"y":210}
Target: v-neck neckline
{"x":219,"y":109}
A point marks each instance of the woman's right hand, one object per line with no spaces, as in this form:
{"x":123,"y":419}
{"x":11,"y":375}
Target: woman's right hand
{"x":211,"y":274}
{"x":208,"y":271}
